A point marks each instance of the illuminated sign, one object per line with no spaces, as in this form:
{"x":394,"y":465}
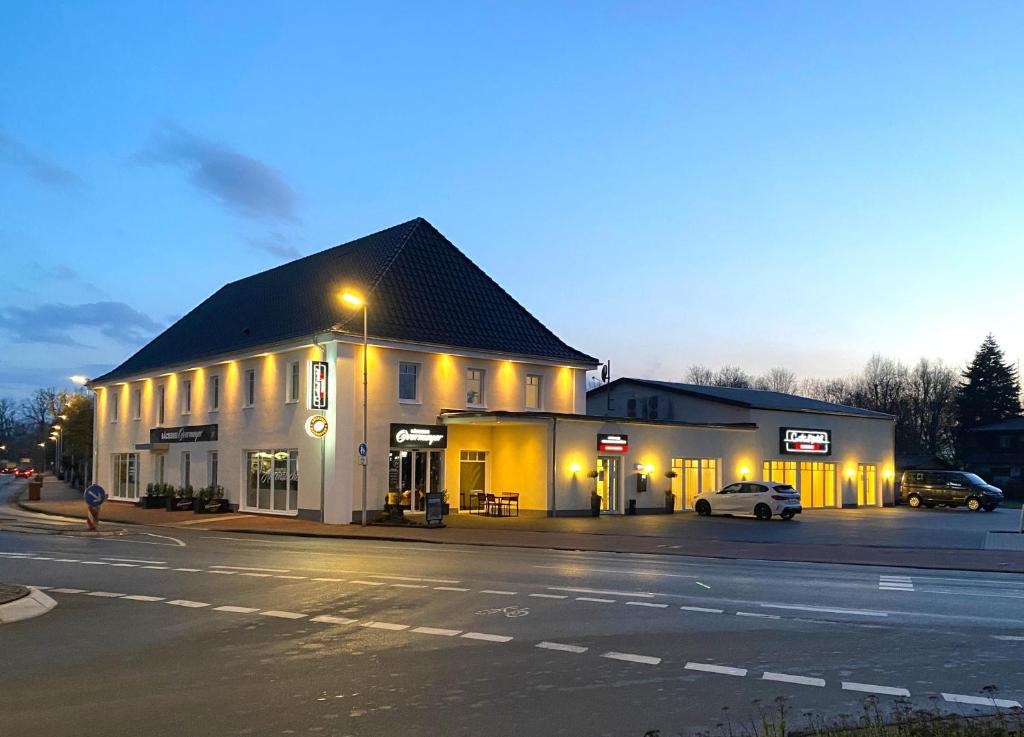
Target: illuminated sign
{"x":316,"y":426}
{"x":318,"y":397}
{"x":183,"y":434}
{"x":612,"y":443}
{"x":419,"y":436}
{"x":799,"y":440}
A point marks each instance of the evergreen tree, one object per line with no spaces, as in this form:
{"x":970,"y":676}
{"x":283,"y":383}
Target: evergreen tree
{"x":990,"y":390}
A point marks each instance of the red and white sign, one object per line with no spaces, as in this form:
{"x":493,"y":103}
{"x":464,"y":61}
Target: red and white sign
{"x":318,"y":397}
{"x":612,"y":443}
{"x":814,"y":442}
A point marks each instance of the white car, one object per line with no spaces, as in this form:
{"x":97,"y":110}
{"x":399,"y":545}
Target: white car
{"x":762,"y":499}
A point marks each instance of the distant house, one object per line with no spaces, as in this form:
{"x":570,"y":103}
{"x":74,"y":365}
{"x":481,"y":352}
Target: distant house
{"x":996,"y":453}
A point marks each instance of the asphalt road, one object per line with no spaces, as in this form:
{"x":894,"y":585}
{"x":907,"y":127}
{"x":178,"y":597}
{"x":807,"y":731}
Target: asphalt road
{"x":169,"y":632}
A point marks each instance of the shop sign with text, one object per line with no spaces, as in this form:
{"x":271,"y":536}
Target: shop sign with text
{"x":317,"y":397}
{"x":612,"y":443}
{"x":419,"y":436}
{"x":183,"y":434}
{"x":801,"y":440}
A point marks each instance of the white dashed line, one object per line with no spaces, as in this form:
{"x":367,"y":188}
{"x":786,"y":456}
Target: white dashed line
{"x":140,"y":597}
{"x":499,"y":592}
{"x":282,"y":615}
{"x":40,"y":557}
{"x":799,"y":680}
{"x":411,"y":578}
{"x":224,"y":573}
{"x":133,"y":560}
{"x":701,"y":609}
{"x":591,"y":598}
{"x":486,"y":637}
{"x":1010,"y":638}
{"x":68,"y":591}
{"x":631,"y":658}
{"x":449,"y":588}
{"x":333,"y":580}
{"x":724,"y":670}
{"x":408,"y":585}
{"x":572,"y":590}
{"x":66,"y":560}
{"x":124,"y":565}
{"x":368,"y":583}
{"x":266,"y":570}
{"x":105,"y":594}
{"x":980,"y":701}
{"x":561,"y":647}
{"x":385,"y":626}
{"x":436,"y":631}
{"x":872,"y":688}
{"x":828,"y":610}
{"x":255,"y":575}
{"x":329,"y":619}
{"x":236,"y":609}
{"x":187,"y":570}
{"x":548,"y":596}
{"x":188,"y":604}
{"x":647,"y":603}
{"x":94,"y":563}
{"x":157,"y":568}
{"x":291,"y":577}
{"x":760,"y":615}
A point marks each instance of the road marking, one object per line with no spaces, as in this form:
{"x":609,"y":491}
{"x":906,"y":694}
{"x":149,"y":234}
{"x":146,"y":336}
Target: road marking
{"x":571,"y":590}
{"x":724,"y":670}
{"x":256,"y":575}
{"x":702,"y":584}
{"x":385,"y":626}
{"x":177,"y":542}
{"x":40,"y":557}
{"x":799,"y":680}
{"x":224,"y":573}
{"x":631,"y":658}
{"x":436,"y":631}
{"x":124,"y":565}
{"x":133,"y":560}
{"x":328,"y":619}
{"x":629,"y":573}
{"x":981,"y":701}
{"x":188,"y":604}
{"x":212,"y":518}
{"x":157,"y":568}
{"x":95,"y":562}
{"x":411,"y":578}
{"x":591,"y":598}
{"x":647,"y":603}
{"x":66,"y":560}
{"x":291,"y":577}
{"x":141,"y":597}
{"x":872,"y":688}
{"x":449,"y":588}
{"x":335,"y":580}
{"x":267,"y":570}
{"x":829,"y":610}
{"x":499,"y":592}
{"x":548,"y":596}
{"x":408,"y":585}
{"x":105,"y":594}
{"x":236,"y":609}
{"x":758,"y":614}
{"x":188,"y":570}
{"x":560,"y":647}
{"x":895,"y":583}
{"x":700,"y":609}
{"x":67,"y":591}
{"x":895,"y":588}
{"x":1012,"y":638}
{"x":282,"y":615}
{"x":368,"y":583}
{"x":486,"y":637}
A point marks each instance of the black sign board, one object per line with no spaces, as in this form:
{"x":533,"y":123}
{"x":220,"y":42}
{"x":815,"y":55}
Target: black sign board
{"x":419,"y":436}
{"x":612,"y":443}
{"x":183,"y":434}
{"x":434,"y":502}
{"x":796,"y":440}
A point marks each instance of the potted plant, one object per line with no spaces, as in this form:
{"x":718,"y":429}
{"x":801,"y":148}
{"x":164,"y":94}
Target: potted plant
{"x":445,"y":507}
{"x":170,"y":498}
{"x":184,"y":497}
{"x":595,"y":498}
{"x":210,"y":500}
{"x":154,"y":497}
{"x":670,"y":498}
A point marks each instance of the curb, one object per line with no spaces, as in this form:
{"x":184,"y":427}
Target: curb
{"x":34,"y":604}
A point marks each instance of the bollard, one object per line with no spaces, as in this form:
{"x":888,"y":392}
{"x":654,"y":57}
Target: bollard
{"x":92,"y":518}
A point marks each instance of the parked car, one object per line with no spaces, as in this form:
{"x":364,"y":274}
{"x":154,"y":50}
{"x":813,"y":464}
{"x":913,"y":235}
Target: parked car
{"x":762,"y":499}
{"x":24,"y":473}
{"x":949,"y":489}
{"x":6,"y":470}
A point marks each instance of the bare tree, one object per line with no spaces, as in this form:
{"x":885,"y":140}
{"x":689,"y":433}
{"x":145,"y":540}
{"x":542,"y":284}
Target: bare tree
{"x":700,"y":375}
{"x":733,"y":376}
{"x":8,"y":418}
{"x":933,"y":393}
{"x":778,"y":379}
{"x":836,"y":391}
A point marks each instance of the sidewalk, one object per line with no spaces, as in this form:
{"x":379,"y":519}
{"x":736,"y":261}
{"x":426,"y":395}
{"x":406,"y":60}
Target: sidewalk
{"x":20,"y":602}
{"x":643,"y":535}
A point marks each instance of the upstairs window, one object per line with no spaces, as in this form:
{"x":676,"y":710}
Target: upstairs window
{"x":293,"y":382}
{"x":186,"y":396}
{"x":214,"y":393}
{"x":533,"y":391}
{"x":115,"y":399}
{"x":408,"y":382}
{"x":160,"y":393}
{"x":475,"y":387}
{"x":249,"y":391}
{"x":137,"y":404}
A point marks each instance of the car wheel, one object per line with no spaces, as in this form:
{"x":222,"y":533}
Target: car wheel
{"x":913,"y":501}
{"x":763,"y":512}
{"x":974,"y":504}
{"x":787,"y":516}
{"x":702,"y":508}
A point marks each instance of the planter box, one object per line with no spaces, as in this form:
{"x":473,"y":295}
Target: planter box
{"x":216,"y":506}
{"x":174,"y":504}
{"x":152,"y":502}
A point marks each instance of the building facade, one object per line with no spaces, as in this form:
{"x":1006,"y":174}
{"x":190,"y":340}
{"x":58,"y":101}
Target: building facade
{"x":996,"y":453}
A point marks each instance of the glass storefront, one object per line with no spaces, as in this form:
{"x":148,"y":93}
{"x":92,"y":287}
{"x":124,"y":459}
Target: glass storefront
{"x":867,"y":485}
{"x":272,"y":480}
{"x":694,"y":476}
{"x":817,"y":484}
{"x":472,"y":475}
{"x":412,"y":474}
{"x":781,"y":472}
{"x":124,"y":476}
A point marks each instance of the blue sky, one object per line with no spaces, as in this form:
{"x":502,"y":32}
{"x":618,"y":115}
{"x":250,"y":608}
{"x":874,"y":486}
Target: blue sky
{"x":799,"y":184}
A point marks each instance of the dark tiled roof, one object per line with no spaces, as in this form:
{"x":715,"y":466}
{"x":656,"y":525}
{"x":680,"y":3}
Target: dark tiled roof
{"x":753,"y":398}
{"x":419,"y":286}
{"x":1014,"y":423}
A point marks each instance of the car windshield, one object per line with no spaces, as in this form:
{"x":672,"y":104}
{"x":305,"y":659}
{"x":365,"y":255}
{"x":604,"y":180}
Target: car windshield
{"x":974,"y":478}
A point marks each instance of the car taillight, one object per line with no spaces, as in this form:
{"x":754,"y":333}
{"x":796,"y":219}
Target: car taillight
{"x":780,"y":498}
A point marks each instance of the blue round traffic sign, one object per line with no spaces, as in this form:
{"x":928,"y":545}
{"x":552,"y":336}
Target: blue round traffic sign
{"x":362,"y":449}
{"x":95,"y":495}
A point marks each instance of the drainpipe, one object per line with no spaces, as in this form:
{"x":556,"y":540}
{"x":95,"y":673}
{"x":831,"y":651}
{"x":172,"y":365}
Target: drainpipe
{"x":323,"y":447}
{"x":554,"y":467}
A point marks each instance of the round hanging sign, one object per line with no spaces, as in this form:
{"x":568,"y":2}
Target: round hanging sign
{"x":316,"y":426}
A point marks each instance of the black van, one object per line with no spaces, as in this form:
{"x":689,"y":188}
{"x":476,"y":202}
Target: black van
{"x":950,"y":489}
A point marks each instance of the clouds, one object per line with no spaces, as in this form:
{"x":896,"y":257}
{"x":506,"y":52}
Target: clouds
{"x":275,"y":244}
{"x":244,"y":185}
{"x":63,"y":324}
{"x":14,"y":153}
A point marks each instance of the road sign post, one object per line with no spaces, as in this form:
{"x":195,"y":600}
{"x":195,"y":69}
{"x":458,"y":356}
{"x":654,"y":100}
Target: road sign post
{"x":94,"y":496}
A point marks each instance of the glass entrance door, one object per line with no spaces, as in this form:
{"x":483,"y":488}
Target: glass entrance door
{"x":413,"y":474}
{"x":608,"y":483}
{"x":866,"y":485}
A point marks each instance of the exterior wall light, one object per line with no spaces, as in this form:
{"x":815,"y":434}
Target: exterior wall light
{"x":574,"y":469}
{"x":849,"y":472}
{"x":648,"y":469}
{"x":744,"y":472}
{"x":887,"y":473}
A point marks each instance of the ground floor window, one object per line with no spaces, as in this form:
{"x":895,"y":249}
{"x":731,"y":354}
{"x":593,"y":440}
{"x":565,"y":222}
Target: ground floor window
{"x":472,"y":475}
{"x":186,"y":469}
{"x":125,"y":475}
{"x":158,"y":468}
{"x":272,"y":480}
{"x":781,"y":472}
{"x":817,"y":484}
{"x":211,"y":467}
{"x":694,"y":476}
{"x":867,"y":485}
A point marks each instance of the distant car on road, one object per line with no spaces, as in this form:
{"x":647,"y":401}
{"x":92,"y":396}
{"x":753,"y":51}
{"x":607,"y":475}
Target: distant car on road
{"x":7,"y":470}
{"x":762,"y":499}
{"x":949,"y":489}
{"x":24,"y":473}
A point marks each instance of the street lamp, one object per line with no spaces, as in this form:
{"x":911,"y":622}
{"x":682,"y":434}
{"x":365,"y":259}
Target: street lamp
{"x":354,"y":301}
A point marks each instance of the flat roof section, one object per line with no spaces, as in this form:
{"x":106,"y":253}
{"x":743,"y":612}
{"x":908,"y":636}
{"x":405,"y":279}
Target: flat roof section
{"x":497,"y":416}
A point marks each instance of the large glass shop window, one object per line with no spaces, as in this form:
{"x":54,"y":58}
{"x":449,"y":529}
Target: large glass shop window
{"x":272,"y":480}
{"x":125,"y":472}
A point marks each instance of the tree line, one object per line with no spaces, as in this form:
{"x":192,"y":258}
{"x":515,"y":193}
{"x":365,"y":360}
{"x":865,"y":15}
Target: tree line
{"x":934,"y":404}
{"x":27,"y":430}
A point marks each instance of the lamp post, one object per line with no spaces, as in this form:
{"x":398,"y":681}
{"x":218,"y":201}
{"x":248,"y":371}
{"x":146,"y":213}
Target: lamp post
{"x":354,"y":300}
{"x":80,"y":381}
